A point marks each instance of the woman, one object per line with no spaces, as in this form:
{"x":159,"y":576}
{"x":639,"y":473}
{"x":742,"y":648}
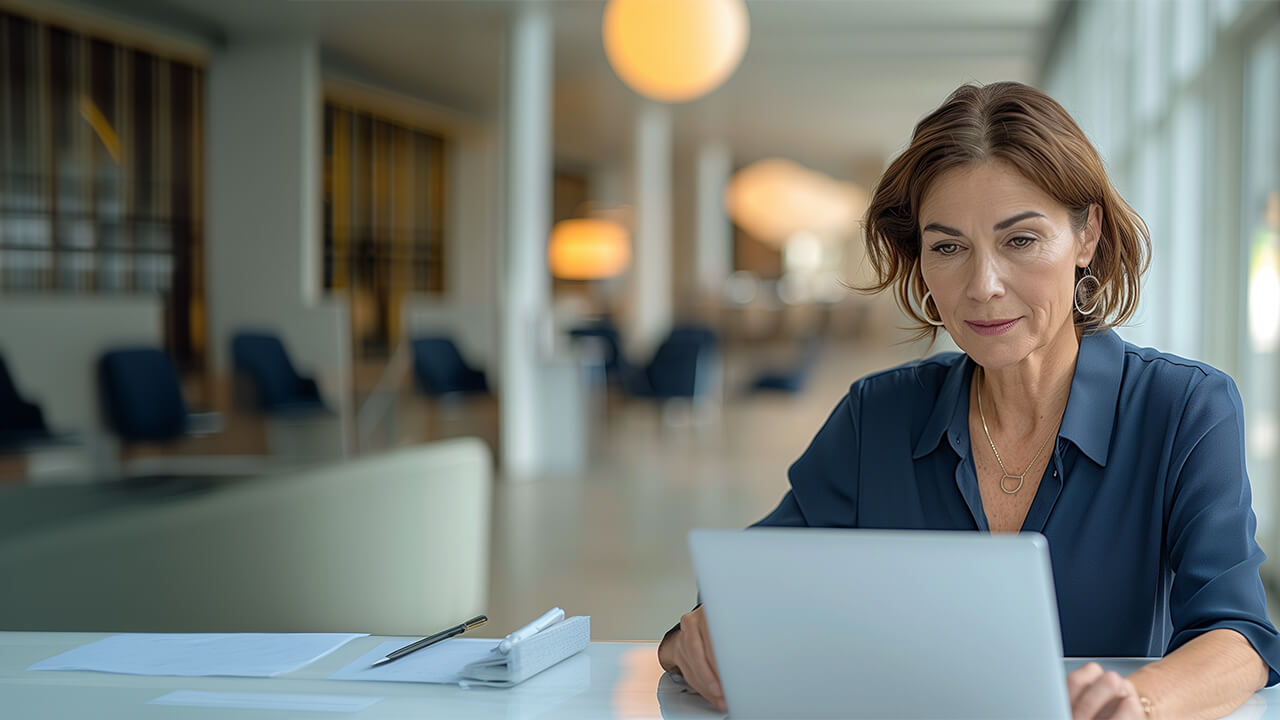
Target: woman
{"x":999,"y":224}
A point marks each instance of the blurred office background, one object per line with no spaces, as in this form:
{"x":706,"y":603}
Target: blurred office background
{"x":265,"y":264}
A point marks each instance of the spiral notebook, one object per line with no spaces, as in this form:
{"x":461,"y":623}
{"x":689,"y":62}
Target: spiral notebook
{"x":475,"y":663}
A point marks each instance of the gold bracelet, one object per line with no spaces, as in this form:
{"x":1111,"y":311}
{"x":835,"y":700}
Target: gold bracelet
{"x":1146,"y":705}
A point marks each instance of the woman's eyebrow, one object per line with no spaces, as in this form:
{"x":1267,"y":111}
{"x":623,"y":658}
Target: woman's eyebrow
{"x":939,"y":227}
{"x":1017,"y":218}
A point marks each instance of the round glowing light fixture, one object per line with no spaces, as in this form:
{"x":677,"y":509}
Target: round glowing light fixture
{"x":675,"y":50}
{"x":588,"y":249}
{"x":775,"y":200}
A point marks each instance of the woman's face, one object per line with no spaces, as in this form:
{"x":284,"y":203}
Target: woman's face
{"x":999,"y":256}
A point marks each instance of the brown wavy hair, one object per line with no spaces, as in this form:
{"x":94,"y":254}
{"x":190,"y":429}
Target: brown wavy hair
{"x":1026,"y":128}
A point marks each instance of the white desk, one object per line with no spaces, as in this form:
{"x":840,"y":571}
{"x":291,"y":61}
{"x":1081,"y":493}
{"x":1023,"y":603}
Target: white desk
{"x":609,"y":680}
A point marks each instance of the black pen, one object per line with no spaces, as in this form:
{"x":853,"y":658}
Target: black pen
{"x":474,"y":622}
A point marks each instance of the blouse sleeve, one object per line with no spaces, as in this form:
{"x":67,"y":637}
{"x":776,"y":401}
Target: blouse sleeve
{"x":824,"y":489}
{"x":1210,"y":526}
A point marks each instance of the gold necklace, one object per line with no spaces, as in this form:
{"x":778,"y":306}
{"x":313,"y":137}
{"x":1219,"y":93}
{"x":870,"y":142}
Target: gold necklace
{"x":1007,"y":474}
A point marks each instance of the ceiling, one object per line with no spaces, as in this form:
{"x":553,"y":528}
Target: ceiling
{"x":834,"y":84}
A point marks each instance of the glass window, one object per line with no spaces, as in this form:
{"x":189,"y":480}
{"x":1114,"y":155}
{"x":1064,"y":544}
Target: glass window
{"x":99,"y":151}
{"x":1190,"y":38}
{"x":1147,"y":198}
{"x":383,"y":218}
{"x":1261,"y":248}
{"x":1120,"y":75}
{"x":1186,"y":228}
{"x":1151,"y":68}
{"x":1226,"y":11}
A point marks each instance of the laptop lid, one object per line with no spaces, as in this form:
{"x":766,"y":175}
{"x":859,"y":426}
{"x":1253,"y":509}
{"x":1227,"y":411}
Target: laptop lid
{"x":882,"y":624}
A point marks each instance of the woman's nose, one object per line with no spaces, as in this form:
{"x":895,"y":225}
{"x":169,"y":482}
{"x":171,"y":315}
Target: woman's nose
{"x":985,"y":281}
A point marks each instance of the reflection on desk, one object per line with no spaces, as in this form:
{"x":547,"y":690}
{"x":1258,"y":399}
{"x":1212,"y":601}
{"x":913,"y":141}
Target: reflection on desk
{"x":608,"y":680}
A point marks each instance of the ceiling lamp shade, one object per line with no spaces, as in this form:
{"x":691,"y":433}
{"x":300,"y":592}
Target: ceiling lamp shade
{"x":675,"y":50}
{"x":588,"y":249}
{"x":776,"y":199}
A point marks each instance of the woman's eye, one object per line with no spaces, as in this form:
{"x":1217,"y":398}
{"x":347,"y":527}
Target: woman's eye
{"x":1022,"y":241}
{"x":946,"y":248}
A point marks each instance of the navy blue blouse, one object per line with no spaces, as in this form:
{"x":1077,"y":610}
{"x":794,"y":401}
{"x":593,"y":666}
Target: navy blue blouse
{"x":1145,"y":503}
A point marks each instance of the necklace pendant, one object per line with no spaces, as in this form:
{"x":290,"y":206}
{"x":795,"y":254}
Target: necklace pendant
{"x":1006,"y":490}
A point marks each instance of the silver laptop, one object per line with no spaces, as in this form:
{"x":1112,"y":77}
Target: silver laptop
{"x":882,"y":624}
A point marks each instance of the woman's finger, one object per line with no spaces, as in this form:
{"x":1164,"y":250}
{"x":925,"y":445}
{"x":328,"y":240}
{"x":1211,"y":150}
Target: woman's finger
{"x":1080,"y":679}
{"x":710,"y":655}
{"x":1127,"y":707}
{"x":695,"y":622}
{"x":694,"y":661}
{"x":705,"y":631}
{"x":700,"y":678}
{"x":1105,"y":691}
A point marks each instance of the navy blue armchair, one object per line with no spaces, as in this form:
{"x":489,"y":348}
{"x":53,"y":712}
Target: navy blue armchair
{"x":683,"y":366}
{"x":262,"y":359}
{"x":791,"y":379}
{"x":440,"y":369}
{"x":21,"y":422}
{"x":699,"y":334}
{"x":606,"y":333}
{"x":141,"y":395}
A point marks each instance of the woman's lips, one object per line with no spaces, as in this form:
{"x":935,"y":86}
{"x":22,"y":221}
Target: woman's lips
{"x":994,"y":327}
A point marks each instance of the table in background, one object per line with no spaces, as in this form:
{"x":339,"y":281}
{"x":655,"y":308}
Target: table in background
{"x":608,"y":680}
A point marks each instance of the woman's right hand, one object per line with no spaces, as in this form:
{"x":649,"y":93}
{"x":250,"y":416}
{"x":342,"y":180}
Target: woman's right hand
{"x":687,"y":652}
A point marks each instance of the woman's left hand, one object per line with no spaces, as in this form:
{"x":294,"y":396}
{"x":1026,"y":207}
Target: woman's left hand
{"x":1097,"y":694}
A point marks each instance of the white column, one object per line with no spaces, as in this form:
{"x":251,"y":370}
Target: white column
{"x":263,"y":213}
{"x":528,"y":165}
{"x":263,"y":197}
{"x":714,"y":233}
{"x":650,"y":306}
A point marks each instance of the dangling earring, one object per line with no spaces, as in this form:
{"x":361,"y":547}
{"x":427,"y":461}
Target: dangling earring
{"x":924,"y":310}
{"x":1091,"y":287}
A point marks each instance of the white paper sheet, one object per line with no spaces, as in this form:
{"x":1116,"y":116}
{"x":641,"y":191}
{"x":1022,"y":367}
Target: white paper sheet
{"x":266,"y":701}
{"x":439,"y":663}
{"x":234,"y":655}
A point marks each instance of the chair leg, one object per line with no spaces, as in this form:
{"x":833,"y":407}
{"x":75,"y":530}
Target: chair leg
{"x":430,"y":420}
